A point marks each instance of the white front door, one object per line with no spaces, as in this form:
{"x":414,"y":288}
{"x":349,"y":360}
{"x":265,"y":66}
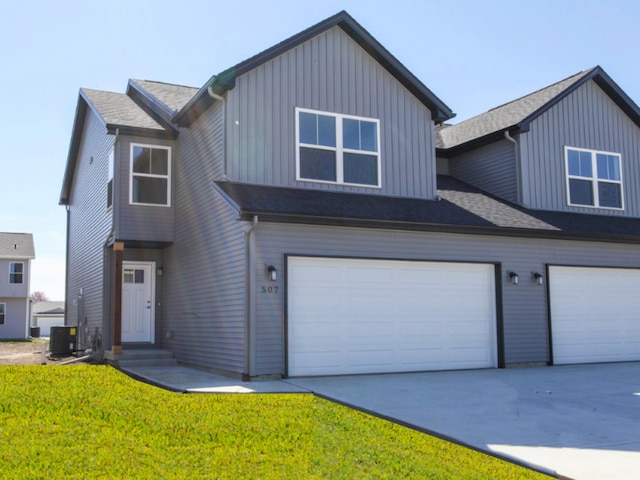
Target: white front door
{"x":138,"y":312}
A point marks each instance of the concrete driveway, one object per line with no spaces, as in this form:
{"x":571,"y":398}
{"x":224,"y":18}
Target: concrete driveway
{"x":580,"y":421}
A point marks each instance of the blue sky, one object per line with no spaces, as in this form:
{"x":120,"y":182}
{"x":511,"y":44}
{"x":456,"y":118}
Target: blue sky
{"x":473,"y":54}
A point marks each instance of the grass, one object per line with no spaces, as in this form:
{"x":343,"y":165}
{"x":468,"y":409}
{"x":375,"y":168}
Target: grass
{"x":93,"y":422}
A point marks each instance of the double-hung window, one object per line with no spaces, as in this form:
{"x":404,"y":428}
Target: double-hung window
{"x":16,"y":272}
{"x":594,"y":178}
{"x":150,"y":175}
{"x":3,"y":312}
{"x":335,"y":148}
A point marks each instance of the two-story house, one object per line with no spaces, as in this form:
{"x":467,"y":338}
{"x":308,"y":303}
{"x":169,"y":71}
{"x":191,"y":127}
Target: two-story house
{"x":309,"y":212}
{"x":16,"y":253}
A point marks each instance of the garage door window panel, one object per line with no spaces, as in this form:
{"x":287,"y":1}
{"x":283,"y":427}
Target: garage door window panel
{"x":594,"y":178}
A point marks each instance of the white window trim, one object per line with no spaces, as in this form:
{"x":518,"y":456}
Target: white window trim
{"x":13,"y":273}
{"x":4,"y":313}
{"x":149,"y":175}
{"x":339,"y":149}
{"x":593,"y":179}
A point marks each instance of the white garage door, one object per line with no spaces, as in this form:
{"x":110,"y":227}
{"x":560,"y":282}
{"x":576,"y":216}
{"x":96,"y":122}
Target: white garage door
{"x":371,"y":316}
{"x":595,"y":314}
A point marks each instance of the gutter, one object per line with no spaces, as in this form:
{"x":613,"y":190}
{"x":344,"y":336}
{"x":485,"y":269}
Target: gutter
{"x":518,"y":232}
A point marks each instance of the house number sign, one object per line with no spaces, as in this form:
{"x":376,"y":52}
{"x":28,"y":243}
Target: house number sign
{"x":270,"y":289}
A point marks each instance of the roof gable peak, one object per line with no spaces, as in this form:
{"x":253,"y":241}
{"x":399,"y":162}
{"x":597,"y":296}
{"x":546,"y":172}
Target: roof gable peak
{"x":225,"y":80}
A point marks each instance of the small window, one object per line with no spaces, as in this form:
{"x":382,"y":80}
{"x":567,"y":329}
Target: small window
{"x":337,"y":148}
{"x":150,"y":175}
{"x":3,"y":309}
{"x":110,"y":180}
{"x":132,"y":275}
{"x":16,"y":272}
{"x":593,"y":178}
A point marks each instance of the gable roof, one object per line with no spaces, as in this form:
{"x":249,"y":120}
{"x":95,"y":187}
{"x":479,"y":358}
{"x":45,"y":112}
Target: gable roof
{"x":121,"y":113}
{"x":18,"y":246}
{"x":47,"y":308}
{"x":460,"y":209}
{"x":173,"y":96}
{"x":515,"y":116}
{"x":226,"y":80}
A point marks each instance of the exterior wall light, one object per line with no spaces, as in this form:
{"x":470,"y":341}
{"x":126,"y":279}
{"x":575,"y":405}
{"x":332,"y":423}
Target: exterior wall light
{"x":273,"y":273}
{"x":513,"y":276}
{"x":537,"y":277}
{"x":160,"y":270}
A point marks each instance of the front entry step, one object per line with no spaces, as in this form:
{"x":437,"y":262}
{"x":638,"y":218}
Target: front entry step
{"x":142,"y":358}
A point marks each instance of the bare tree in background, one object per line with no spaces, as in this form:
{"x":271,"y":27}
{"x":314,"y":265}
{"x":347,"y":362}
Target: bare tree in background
{"x":39,"y":297}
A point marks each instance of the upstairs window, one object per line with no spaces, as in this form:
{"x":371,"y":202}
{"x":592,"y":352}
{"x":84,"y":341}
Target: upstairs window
{"x":593,"y":178}
{"x":335,"y":148}
{"x":16,"y":272}
{"x":150,"y":175}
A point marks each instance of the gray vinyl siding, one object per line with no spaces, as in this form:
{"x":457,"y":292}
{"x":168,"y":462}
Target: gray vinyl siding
{"x":204,"y":282}
{"x":328,"y":73}
{"x":139,"y":222}
{"x":89,"y":226}
{"x":15,"y":322}
{"x":524,"y":305}
{"x":587,"y":118}
{"x":491,"y":168}
{"x":442,"y":166}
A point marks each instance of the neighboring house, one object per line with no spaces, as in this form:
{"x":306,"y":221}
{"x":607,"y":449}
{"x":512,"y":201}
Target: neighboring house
{"x":16,"y":253}
{"x":46,"y":315}
{"x":309,"y":212}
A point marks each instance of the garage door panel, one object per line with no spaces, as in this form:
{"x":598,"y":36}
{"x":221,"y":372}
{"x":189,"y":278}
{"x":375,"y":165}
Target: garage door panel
{"x":386,"y":316}
{"x":595,"y":314}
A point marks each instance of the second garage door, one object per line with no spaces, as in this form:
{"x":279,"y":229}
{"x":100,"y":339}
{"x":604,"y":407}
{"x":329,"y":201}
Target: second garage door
{"x":595,"y":314}
{"x":372,"y":316}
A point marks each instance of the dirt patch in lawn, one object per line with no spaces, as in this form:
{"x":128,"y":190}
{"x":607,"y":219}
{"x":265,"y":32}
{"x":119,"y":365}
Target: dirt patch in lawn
{"x":28,"y":353}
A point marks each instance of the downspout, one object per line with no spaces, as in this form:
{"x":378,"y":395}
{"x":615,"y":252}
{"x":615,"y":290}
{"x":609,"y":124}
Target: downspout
{"x":219,"y":98}
{"x":107,"y":289}
{"x":509,"y":138}
{"x":250,"y":303}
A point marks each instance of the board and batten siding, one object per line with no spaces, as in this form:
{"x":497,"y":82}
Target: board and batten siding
{"x":329,"y":73}
{"x":90,"y":223}
{"x":491,"y":168}
{"x":204,"y":280}
{"x":524,"y":305}
{"x":586,"y":118}
{"x":139,"y":222}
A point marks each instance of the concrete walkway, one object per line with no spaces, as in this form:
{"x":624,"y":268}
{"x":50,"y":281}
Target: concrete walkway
{"x":581,"y":421}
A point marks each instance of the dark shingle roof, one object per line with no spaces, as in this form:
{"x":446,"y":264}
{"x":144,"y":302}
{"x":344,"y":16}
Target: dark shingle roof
{"x":173,"y":96}
{"x":118,"y":110}
{"x":516,"y":115}
{"x":504,"y":116}
{"x":17,"y":245}
{"x":461,"y":208}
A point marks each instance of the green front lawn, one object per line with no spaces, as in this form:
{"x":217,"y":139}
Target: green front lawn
{"x":81,"y":422}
